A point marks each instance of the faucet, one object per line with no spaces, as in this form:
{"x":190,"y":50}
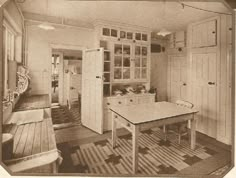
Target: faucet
{"x":9,"y":98}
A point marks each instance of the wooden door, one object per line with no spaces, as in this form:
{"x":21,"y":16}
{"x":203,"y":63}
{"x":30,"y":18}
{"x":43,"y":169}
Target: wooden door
{"x":205,"y":92}
{"x":178,"y":78}
{"x":92,"y":90}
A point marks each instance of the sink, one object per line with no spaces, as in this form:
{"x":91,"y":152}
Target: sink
{"x":27,"y":116}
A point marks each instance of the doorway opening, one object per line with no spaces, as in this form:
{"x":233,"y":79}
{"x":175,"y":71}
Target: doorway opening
{"x":55,"y":78}
{"x":66,"y":87}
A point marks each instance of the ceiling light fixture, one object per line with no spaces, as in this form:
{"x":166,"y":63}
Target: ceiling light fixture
{"x":46,"y":25}
{"x":163,"y":32}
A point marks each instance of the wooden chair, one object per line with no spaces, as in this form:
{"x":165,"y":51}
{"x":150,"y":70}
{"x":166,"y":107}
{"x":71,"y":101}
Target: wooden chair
{"x":181,"y":128}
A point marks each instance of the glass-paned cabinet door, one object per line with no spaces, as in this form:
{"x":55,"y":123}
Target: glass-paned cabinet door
{"x":117,"y":73}
{"x":140,"y":62}
{"x":122,"y":61}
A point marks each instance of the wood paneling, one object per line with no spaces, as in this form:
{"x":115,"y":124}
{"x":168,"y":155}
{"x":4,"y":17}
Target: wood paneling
{"x":2,"y":57}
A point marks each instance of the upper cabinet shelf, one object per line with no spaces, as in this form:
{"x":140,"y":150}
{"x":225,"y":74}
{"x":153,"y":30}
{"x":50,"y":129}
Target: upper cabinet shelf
{"x":131,"y":62}
{"x":129,"y":53}
{"x":204,"y":34}
{"x":177,"y":39}
{"x":124,"y":35}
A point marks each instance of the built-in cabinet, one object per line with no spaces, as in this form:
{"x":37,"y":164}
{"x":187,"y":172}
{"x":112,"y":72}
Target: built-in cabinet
{"x":119,"y":33}
{"x":204,"y":56}
{"x":107,"y":73}
{"x":130,"y":62}
{"x":210,"y":62}
{"x":204,"y":34}
{"x":202,"y":74}
{"x":120,"y":60}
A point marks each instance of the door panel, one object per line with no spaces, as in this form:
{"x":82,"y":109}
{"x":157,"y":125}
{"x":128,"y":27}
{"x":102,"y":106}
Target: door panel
{"x":92,"y":90}
{"x":204,"y":91}
{"x":211,"y":33}
{"x":178,"y":78}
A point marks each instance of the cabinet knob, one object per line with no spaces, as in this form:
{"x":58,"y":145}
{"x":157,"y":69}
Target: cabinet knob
{"x":108,"y":103}
{"x":213,"y":32}
{"x":128,"y":124}
{"x":131,"y":100}
{"x":118,"y":39}
{"x":184,"y":84}
{"x":115,"y":116}
{"x":230,"y":29}
{"x":119,"y":102}
{"x":134,"y":41}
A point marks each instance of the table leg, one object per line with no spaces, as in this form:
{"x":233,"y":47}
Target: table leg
{"x":54,"y":167}
{"x":164,"y":131}
{"x":113,"y":130}
{"x":193,"y":133}
{"x":135,"y":134}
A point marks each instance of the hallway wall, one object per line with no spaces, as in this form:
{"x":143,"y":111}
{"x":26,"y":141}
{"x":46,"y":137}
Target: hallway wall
{"x":39,"y":46}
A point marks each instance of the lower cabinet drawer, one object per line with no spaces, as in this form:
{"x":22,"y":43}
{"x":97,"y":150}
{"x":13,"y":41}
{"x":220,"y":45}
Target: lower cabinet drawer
{"x":146,"y":99}
{"x":131,"y":101}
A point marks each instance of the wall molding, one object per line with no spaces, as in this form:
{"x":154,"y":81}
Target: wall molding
{"x":33,"y":18}
{"x":10,"y":19}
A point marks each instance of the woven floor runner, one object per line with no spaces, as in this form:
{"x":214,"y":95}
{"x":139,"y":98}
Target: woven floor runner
{"x":62,"y":114}
{"x":156,"y":156}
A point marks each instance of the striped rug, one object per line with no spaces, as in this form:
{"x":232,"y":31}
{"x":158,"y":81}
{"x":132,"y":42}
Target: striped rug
{"x":156,"y":156}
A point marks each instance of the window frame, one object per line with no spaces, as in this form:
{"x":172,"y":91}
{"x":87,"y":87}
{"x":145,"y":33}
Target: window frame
{"x":9,"y":47}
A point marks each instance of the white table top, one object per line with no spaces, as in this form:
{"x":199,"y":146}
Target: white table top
{"x":148,"y":112}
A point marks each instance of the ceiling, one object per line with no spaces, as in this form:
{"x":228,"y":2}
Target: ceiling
{"x":151,"y":14}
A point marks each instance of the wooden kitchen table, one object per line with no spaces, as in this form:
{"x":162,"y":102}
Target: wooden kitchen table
{"x":143,"y":116}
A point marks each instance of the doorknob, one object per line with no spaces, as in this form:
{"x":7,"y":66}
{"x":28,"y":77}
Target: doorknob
{"x":211,"y":83}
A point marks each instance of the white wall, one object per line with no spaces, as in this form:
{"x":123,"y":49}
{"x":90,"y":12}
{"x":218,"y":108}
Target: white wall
{"x":159,"y":72}
{"x":39,"y":46}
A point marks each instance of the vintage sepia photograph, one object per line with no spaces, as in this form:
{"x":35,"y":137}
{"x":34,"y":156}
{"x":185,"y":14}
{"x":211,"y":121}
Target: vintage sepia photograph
{"x":117,"y":88}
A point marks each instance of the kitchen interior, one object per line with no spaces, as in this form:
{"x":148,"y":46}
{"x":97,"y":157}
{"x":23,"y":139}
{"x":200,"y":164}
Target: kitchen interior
{"x":75,"y":72}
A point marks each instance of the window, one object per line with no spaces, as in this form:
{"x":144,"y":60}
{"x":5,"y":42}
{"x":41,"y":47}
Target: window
{"x":9,"y":54}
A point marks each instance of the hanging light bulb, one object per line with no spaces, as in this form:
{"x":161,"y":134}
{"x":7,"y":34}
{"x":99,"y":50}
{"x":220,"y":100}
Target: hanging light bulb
{"x":46,"y":25}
